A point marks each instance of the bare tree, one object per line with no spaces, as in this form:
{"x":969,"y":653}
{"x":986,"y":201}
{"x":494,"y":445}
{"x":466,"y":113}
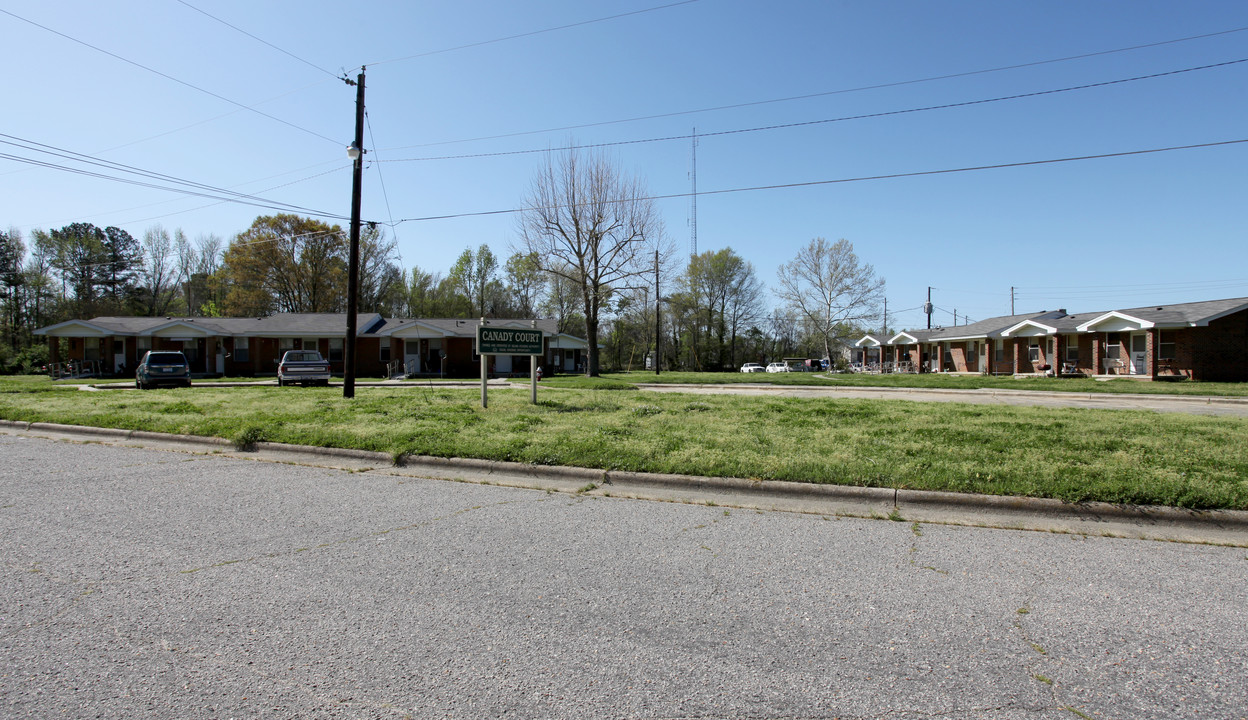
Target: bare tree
{"x":159,"y":271}
{"x":830,"y":289}
{"x":586,"y":222}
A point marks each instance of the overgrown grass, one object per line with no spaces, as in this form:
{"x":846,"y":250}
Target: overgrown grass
{"x":1071,"y":454}
{"x":937,"y":381}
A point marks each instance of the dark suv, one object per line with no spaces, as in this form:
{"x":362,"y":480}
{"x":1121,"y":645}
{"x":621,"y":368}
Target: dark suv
{"x":162,"y":368}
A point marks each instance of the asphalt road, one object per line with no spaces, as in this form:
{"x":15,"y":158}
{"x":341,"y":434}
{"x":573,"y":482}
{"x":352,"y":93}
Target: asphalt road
{"x":147,"y":583}
{"x":1193,"y":404}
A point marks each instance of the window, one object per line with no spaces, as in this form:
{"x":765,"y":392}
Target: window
{"x":1033,"y":350}
{"x":190,"y":348}
{"x":241,"y":350}
{"x":335,"y":349}
{"x":1165,"y":346}
{"x":998,"y":352}
{"x":384,"y":353}
{"x":144,"y":344}
{"x":90,"y":348}
{"x":309,"y":344}
{"x":1072,"y":348}
{"x":1113,"y":346}
{"x":283,"y":345}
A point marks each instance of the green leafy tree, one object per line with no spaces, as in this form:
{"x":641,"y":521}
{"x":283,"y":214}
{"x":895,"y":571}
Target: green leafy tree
{"x":475,"y":276}
{"x":286,"y":263}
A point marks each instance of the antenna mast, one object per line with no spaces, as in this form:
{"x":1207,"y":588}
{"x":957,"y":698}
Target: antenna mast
{"x":693,"y":216}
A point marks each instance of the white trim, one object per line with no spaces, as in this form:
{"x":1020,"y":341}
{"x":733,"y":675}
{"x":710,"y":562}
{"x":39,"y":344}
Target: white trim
{"x":869,"y":342}
{"x":1045,"y":329}
{"x":101,"y":331}
{"x":557,"y":342}
{"x":397,"y":330}
{"x":1126,"y":323}
{"x":912,"y":340}
{"x":175,"y":328}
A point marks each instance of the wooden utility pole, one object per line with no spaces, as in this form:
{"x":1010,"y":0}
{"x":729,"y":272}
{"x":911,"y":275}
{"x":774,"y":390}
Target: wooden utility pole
{"x":353,"y":264}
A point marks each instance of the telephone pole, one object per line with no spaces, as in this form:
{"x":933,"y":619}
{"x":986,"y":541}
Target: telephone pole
{"x":356,"y":153}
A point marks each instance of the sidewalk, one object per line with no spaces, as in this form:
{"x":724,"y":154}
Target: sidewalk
{"x":1221,"y":527}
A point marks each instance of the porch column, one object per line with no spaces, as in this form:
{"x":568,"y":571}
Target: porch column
{"x":1152,"y":340}
{"x":54,"y":349}
{"x":1014,"y":347}
{"x":1096,"y":354}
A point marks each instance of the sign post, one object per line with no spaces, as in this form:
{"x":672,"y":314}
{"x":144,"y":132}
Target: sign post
{"x":509,"y":341}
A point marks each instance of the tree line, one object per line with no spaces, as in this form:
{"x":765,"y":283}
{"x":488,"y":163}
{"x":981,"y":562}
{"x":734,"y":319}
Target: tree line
{"x":591,"y":254}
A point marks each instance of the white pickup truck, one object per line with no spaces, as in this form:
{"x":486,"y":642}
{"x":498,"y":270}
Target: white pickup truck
{"x":302,"y":367}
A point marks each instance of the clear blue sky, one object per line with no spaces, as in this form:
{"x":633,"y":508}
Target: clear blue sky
{"x":1097,"y":234}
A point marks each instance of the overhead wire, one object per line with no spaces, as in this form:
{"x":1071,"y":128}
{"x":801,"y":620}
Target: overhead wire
{"x":807,"y":123}
{"x":531,"y":33}
{"x":381,"y":179}
{"x":246,"y":243}
{"x":259,"y":39}
{"x":73,"y":156}
{"x":865,"y":178}
{"x":841,"y":91}
{"x":222,"y":202}
{"x":170,"y":77}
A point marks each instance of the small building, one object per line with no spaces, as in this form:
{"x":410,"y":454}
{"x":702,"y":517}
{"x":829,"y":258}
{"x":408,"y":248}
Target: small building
{"x":253,"y":346}
{"x":1197,"y":341}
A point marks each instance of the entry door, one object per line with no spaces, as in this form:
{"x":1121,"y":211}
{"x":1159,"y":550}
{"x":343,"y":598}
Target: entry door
{"x":119,"y":354}
{"x":1139,"y":354}
{"x":411,"y":356}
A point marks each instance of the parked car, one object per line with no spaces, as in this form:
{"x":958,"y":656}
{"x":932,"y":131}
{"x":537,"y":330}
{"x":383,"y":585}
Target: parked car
{"x":752,"y":367}
{"x":778,"y":367}
{"x":303,"y":367}
{"x":161,"y":367}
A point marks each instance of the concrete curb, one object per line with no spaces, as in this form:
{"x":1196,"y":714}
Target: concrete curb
{"x":770,"y":493}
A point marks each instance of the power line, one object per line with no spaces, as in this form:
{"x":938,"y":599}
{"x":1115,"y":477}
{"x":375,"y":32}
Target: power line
{"x":114,"y":166}
{"x":249,"y":243}
{"x":532,"y":33}
{"x":257,"y":39}
{"x":372,"y":140}
{"x":891,"y":176}
{"x":806,"y":123}
{"x":1133,"y":286}
{"x":170,"y":77}
{"x":842,"y":91}
{"x":204,"y":207}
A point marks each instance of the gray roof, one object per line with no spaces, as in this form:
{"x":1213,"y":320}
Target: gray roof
{"x":298,"y":324}
{"x":1180,"y":315}
{"x":464,"y":328}
{"x":1185,"y":314}
{"x":990,"y":328}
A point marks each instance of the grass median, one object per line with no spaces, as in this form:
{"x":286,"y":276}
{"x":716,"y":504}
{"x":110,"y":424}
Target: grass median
{"x":1072,"y":454}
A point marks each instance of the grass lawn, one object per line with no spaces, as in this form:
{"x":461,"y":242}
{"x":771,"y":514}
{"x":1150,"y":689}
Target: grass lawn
{"x":952,"y":382}
{"x":1072,"y":454}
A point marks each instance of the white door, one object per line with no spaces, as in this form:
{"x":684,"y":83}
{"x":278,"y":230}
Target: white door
{"x":411,"y":356}
{"x":220,"y":358}
{"x":1139,"y":354}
